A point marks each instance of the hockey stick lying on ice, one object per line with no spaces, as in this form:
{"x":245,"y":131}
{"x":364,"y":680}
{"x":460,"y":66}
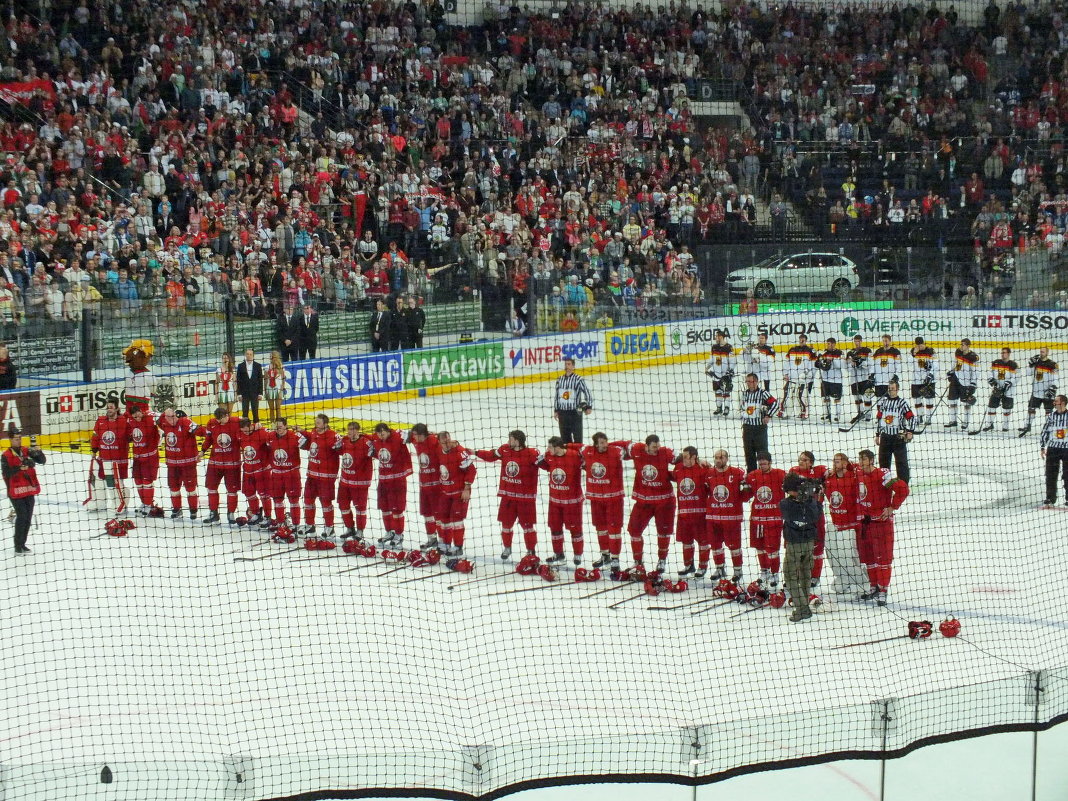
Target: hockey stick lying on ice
{"x":546,"y":586}
{"x":481,"y":578}
{"x":683,"y":606}
{"x":714,"y":606}
{"x":618,"y":604}
{"x":609,"y":589}
{"x":266,"y":555}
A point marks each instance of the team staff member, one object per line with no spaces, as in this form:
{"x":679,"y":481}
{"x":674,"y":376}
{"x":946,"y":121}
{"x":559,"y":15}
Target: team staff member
{"x":894,"y":424}
{"x":1054,"y":441}
{"x":572,"y":400}
{"x":799,"y":519}
{"x":758,"y":407}
{"x":20,"y":475}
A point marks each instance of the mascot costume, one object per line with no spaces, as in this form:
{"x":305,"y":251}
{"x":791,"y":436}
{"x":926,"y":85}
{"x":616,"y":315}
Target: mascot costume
{"x":139,"y":383}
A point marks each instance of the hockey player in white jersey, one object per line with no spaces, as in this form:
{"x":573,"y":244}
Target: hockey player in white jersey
{"x":1043,"y":371}
{"x":861,"y":385}
{"x":1002,"y":382}
{"x":830,"y":367}
{"x":924,"y":376}
{"x":759,"y":359}
{"x":963,"y":377}
{"x":798,"y":369}
{"x":720,"y":368}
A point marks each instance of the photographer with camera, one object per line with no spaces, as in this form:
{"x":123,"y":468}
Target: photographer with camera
{"x":800,"y":514}
{"x":20,"y":475}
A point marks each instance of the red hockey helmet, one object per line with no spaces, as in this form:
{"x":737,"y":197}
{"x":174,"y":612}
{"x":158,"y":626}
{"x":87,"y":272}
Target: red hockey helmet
{"x":352,"y":546}
{"x":581,"y":575}
{"x":595,"y":574}
{"x":651,"y":587}
{"x":950,"y":627}
{"x":433,"y":556}
{"x":777,"y":601}
{"x":681,"y":586}
{"x":461,"y":565}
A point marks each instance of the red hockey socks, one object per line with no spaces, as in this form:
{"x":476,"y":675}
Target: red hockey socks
{"x":506,"y":537}
{"x":687,"y":553}
{"x":558,"y":541}
{"x":577,"y":543}
{"x":530,"y":540}
{"x":703,"y":552}
{"x":213,"y":501}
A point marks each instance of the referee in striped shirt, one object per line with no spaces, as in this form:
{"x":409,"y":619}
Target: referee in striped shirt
{"x":573,"y":399}
{"x":758,"y":407}
{"x":894,"y":424}
{"x":1054,"y":439}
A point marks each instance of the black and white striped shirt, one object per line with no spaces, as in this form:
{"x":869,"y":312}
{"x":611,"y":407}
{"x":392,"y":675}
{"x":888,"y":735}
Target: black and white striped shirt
{"x":572,"y":393}
{"x":756,"y":404}
{"x":894,"y":416}
{"x":1055,"y":431}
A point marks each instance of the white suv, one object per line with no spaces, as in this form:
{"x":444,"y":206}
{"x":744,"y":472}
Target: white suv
{"x":800,"y":274}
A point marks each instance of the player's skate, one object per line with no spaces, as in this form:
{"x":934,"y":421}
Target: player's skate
{"x":950,"y":424}
{"x":720,"y":573}
{"x":1049,"y":502}
{"x":773,"y":584}
{"x":506,"y":554}
{"x":231,"y":520}
{"x":603,"y":560}
{"x":661,"y":566}
{"x":700,"y":572}
{"x":176,"y":514}
{"x":736,"y":577}
{"x":268,"y":525}
{"x":687,"y":569}
{"x":432,"y":543}
{"x":456,"y":551}
{"x":880,"y":598}
{"x":328,"y":534}
{"x":556,"y":559}
{"x":255,"y":519}
{"x":193,"y":514}
{"x":765,"y":577}
{"x":143,"y":510}
{"x":387,"y":538}
{"x":350,"y":534}
{"x":212,"y":518}
{"x":869,"y":594}
{"x":577,"y":560}
{"x":1025,"y":430}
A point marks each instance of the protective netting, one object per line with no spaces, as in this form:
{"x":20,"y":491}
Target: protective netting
{"x":404,"y":224}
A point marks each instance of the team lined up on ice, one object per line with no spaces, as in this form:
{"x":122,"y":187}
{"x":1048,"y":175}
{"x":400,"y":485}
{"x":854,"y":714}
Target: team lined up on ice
{"x":700,"y":504}
{"x":867,"y":373}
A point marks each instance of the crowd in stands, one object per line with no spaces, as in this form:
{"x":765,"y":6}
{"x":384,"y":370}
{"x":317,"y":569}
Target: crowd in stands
{"x":285,"y":153}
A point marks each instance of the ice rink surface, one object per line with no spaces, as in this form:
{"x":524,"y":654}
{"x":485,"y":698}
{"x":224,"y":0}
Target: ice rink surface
{"x":161,"y":646}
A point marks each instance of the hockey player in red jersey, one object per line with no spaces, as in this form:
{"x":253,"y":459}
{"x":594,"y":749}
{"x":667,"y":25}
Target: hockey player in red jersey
{"x":323,"y":445}
{"x":221,"y":442}
{"x":652,"y":496}
{"x":255,"y":476}
{"x":144,"y":438}
{"x":180,"y":450}
{"x":727,"y":491}
{"x":283,"y":451}
{"x":427,"y":453}
{"x":840,"y":487}
{"x":517,"y":489}
{"x":807,"y":468}
{"x":357,"y":465}
{"x":394,"y":467}
{"x":457,"y":468}
{"x":691,"y":491}
{"x":765,"y":520}
{"x":563,"y":462}
{"x":603,"y":464}
{"x":110,"y":444}
{"x":879,"y":494}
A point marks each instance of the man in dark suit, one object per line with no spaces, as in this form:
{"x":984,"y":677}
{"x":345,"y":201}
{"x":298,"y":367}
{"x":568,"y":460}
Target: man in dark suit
{"x":381,"y":325}
{"x":414,"y":323}
{"x":397,"y":324}
{"x":250,"y":385}
{"x":287,"y":333}
{"x":308,"y":334}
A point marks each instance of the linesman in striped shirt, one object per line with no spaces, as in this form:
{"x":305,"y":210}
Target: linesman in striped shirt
{"x":572,"y":400}
{"x":1054,"y":441}
{"x":757,"y":409}
{"x":894,"y":425}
